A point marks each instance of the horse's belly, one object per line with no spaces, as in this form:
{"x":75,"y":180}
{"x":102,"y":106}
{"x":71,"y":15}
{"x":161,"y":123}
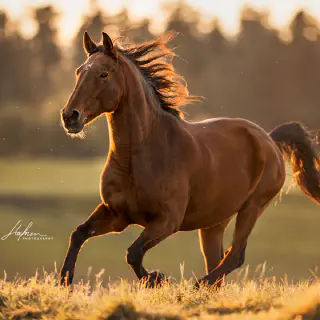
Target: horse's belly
{"x":200,"y":219}
{"x":211,"y":206}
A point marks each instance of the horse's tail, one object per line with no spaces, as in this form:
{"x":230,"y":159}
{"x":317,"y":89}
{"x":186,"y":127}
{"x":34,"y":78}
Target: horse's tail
{"x":297,"y":145}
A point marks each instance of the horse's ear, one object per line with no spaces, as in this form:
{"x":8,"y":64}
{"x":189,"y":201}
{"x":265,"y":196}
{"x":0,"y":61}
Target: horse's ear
{"x":88,"y":45}
{"x":107,"y":43}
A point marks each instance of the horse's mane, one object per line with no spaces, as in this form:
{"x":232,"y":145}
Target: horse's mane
{"x":154,"y":60}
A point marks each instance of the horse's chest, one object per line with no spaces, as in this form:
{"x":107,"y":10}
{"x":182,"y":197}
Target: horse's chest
{"x":124,"y":198}
{"x":116,"y":193}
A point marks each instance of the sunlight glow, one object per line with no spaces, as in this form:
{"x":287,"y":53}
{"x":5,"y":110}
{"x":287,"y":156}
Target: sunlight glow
{"x":227,"y":11}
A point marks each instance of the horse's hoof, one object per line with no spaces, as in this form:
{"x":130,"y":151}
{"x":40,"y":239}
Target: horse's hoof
{"x":205,"y":282}
{"x":196,"y":286}
{"x":200,"y":283}
{"x":155,"y":279}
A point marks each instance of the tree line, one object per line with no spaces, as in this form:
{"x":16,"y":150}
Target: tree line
{"x":258,"y":74}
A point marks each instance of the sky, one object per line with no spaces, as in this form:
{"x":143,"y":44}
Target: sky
{"x":227,"y":11}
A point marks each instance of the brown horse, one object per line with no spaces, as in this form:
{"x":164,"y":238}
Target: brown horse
{"x":166,"y":174}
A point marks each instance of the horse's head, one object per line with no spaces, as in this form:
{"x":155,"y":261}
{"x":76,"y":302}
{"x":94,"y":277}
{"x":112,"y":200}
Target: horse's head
{"x":98,"y":86}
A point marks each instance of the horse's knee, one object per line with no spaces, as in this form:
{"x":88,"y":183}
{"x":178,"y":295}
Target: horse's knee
{"x":79,"y":235}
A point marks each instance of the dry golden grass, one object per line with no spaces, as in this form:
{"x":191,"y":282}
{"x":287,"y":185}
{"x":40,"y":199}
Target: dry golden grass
{"x":264,"y":298}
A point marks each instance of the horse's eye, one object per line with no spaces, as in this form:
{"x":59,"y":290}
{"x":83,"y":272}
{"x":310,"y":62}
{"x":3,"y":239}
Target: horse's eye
{"x":104,"y":74}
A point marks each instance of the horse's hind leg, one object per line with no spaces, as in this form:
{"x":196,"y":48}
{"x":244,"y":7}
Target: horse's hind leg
{"x":211,"y":244}
{"x":235,"y":255}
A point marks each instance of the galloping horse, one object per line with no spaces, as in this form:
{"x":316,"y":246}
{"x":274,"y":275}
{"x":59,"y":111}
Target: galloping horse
{"x":166,"y":174}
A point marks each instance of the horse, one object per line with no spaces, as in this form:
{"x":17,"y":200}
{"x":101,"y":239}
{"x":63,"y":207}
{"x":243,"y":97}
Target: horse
{"x":166,"y":174}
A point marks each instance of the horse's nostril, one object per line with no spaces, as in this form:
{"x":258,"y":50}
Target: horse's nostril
{"x":75,"y":116}
{"x":64,"y":116}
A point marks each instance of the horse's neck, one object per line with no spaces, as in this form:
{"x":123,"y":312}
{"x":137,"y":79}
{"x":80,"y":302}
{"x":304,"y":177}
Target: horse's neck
{"x":130,"y":125}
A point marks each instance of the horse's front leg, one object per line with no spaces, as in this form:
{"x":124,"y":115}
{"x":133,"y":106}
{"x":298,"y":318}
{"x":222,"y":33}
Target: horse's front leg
{"x":100,"y":222}
{"x":153,"y":234}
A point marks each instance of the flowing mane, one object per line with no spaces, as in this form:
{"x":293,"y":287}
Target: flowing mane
{"x":154,"y":60}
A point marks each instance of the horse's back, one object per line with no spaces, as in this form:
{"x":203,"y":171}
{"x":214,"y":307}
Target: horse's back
{"x":233,"y":134}
{"x":223,"y":125}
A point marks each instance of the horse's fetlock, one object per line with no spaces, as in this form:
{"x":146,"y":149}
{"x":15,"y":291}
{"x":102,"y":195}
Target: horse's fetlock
{"x":133,"y":256}
{"x":241,"y":259}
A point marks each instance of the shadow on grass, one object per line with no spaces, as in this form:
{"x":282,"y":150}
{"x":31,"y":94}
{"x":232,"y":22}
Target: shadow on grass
{"x":27,"y":313}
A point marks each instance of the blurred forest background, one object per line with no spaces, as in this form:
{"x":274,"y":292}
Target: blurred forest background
{"x":255,"y":75}
{"x":52,"y":180}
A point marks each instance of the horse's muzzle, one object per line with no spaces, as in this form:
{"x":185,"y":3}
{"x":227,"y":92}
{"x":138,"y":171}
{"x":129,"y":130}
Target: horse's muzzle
{"x":72,"y":121}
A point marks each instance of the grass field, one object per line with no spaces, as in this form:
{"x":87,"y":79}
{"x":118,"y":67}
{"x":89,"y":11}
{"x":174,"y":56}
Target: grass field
{"x":263,"y":298}
{"x":49,"y":177}
{"x":58,"y":195}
